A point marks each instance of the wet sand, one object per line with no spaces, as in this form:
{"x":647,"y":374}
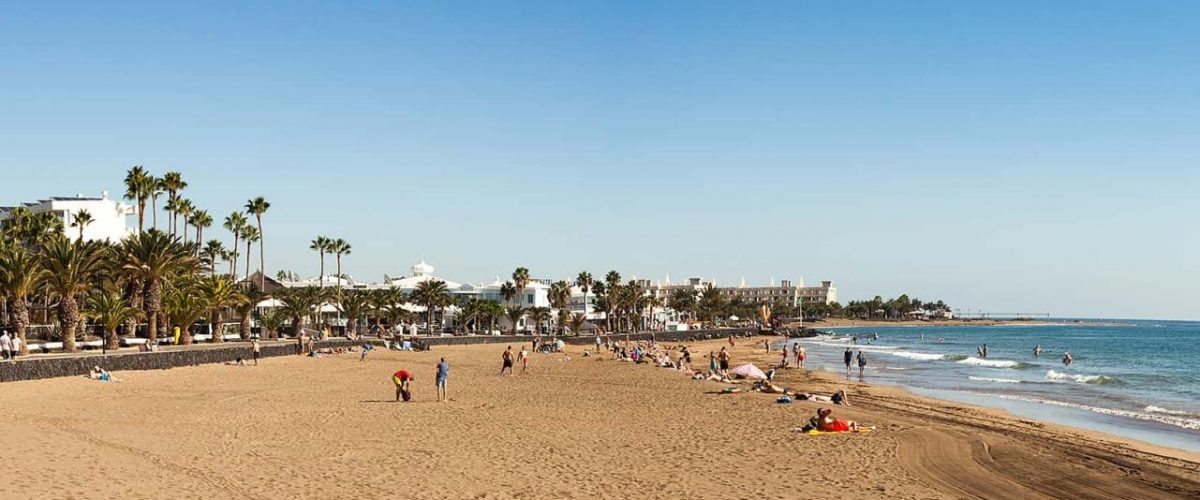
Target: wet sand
{"x":591,"y":426}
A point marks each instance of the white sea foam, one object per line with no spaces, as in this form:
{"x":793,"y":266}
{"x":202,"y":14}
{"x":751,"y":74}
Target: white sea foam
{"x":1186,"y":423}
{"x":990,"y":363}
{"x":996,"y":380}
{"x":920,"y":356}
{"x":1055,"y":376}
{"x":1159,"y":409}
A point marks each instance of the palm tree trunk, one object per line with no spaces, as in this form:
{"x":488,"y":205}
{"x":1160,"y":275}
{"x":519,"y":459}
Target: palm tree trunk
{"x":185,"y":335}
{"x":218,"y":336}
{"x":21,"y":318}
{"x":68,"y":319}
{"x":262,"y":257}
{"x":151,"y":301}
{"x":154,"y":211}
{"x":248,"y":243}
{"x":111,"y":341}
{"x":339,"y":275}
{"x":245,"y":326}
{"x":321,"y":279}
{"x":141,"y":214}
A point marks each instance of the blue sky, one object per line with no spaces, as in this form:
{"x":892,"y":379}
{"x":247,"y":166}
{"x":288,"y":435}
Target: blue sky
{"x":1009,"y":156}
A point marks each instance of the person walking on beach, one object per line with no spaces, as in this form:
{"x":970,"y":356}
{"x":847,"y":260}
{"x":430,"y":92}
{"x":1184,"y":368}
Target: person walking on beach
{"x":801,"y":354}
{"x":862,"y":363}
{"x":783,"y":363}
{"x":508,"y":361}
{"x":366,"y":348}
{"x":255,"y":350}
{"x":523,"y":358}
{"x":402,"y":378}
{"x":848,"y":358}
{"x":685,"y":360}
{"x":443,"y":374}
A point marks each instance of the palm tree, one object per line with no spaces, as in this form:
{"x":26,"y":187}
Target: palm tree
{"x":185,"y":209}
{"x":560,"y":299}
{"x":508,"y":291}
{"x":152,"y":257}
{"x":156,"y":190}
{"x":201,"y":221}
{"x":339,"y":247}
{"x":612,"y":280}
{"x":249,"y":235}
{"x":354,"y":305}
{"x":172,"y":183}
{"x":185,"y":306}
{"x":213,"y":251}
{"x":431,"y":294}
{"x":244,"y":304}
{"x":576,"y":322}
{"x":515,"y":313}
{"x":21,"y":274}
{"x":584,"y":282}
{"x":81,"y":219}
{"x":321,"y":246}
{"x":259,"y":206}
{"x":218,"y":292}
{"x":139,"y":185}
{"x":111,"y":310}
{"x":299,"y":303}
{"x":540,"y":316}
{"x":270,"y":322}
{"x":520,"y":278}
{"x":234,"y":223}
{"x":71,"y":268}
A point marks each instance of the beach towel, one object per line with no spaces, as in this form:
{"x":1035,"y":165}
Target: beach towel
{"x":814,"y":432}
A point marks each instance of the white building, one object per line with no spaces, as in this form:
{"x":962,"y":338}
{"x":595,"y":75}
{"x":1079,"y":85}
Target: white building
{"x":110,"y":218}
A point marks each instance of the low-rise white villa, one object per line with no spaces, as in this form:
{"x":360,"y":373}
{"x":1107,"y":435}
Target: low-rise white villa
{"x":109,"y":217}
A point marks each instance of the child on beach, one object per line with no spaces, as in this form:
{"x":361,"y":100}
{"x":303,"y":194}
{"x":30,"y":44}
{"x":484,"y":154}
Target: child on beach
{"x":523,"y":357}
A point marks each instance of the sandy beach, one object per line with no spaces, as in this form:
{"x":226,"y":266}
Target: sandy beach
{"x":327,"y":427}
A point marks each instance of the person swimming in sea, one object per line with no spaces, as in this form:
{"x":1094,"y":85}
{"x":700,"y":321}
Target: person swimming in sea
{"x":1037,"y":350}
{"x":1067,"y":359}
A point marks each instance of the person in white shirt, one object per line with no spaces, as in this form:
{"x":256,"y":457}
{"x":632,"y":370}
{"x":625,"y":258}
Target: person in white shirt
{"x":6,"y":346}
{"x":16,"y":346}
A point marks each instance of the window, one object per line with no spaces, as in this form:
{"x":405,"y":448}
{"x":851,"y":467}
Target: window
{"x":529,"y":298}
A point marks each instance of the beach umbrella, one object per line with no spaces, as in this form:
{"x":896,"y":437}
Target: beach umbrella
{"x":748,"y":371}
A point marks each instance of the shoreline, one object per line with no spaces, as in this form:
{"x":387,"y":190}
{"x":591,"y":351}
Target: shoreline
{"x":902,"y":392}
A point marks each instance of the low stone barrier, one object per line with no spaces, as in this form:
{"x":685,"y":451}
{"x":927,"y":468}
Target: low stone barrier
{"x":33,"y":367}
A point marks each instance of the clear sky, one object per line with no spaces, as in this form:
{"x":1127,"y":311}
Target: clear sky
{"x":1004,"y":156}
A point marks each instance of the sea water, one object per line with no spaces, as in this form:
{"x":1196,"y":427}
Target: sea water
{"x":1136,"y":379}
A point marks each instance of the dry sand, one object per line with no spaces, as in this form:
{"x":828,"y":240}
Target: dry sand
{"x":298,"y":427}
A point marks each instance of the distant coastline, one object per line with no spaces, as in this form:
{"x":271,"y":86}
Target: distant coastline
{"x":852,"y":323}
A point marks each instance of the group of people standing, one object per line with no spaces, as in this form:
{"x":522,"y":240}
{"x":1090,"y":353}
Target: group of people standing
{"x":10,"y":346}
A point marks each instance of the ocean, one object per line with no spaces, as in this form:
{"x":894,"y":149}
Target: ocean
{"x":1137,"y":379}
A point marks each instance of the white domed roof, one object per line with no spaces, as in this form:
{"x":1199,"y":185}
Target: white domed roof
{"x":422,"y":269}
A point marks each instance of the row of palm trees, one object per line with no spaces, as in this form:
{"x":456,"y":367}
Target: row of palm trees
{"x":324,"y":245}
{"x":143,"y":188}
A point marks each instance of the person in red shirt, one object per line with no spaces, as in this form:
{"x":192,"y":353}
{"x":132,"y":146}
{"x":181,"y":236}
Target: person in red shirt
{"x":401,"y":378}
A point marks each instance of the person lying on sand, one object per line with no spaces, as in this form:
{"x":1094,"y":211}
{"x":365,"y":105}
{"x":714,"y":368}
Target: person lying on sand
{"x":826,"y":422}
{"x":765,"y":386}
{"x":100,"y":374}
{"x":838,"y":398}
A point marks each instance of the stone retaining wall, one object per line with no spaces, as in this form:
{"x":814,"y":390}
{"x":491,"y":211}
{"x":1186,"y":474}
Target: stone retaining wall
{"x":33,"y":367}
